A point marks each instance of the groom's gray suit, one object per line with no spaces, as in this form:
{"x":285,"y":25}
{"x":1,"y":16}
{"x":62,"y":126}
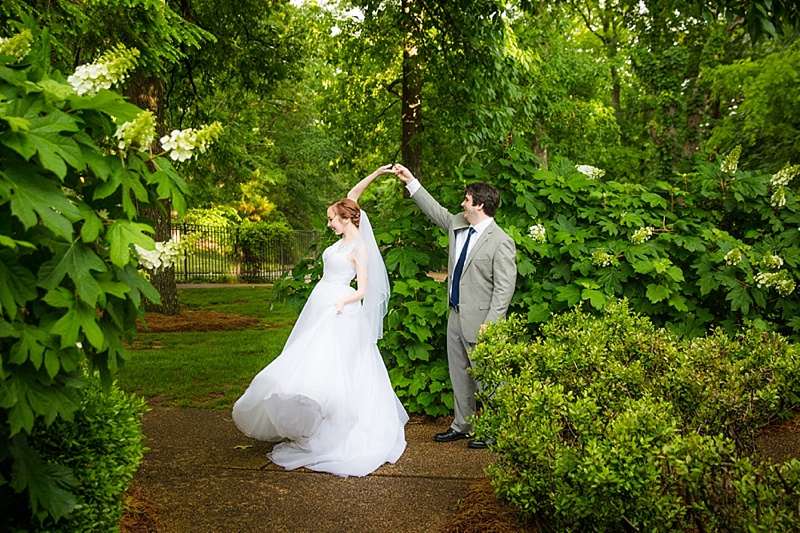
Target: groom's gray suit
{"x":486,"y":287}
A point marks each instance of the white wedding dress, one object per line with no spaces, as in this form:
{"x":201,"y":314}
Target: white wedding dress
{"x":327,"y":396}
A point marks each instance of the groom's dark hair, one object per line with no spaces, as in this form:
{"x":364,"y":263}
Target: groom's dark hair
{"x":484,"y":194}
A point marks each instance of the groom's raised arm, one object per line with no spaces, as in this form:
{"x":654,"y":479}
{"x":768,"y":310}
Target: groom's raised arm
{"x":427,"y":203}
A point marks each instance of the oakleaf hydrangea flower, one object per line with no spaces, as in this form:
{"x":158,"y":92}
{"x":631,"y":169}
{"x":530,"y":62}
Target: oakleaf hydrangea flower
{"x":181,"y":143}
{"x":111,"y":68}
{"x":734,"y":257}
{"x":207,"y":135}
{"x":780,"y":281}
{"x":784,"y":175}
{"x":139,"y":132}
{"x":602,"y":258}
{"x":16,"y":46}
{"x":778,"y":198}
{"x":642,"y":235}
{"x":163,"y":256}
{"x":771,"y":261}
{"x":538,"y":233}
{"x":593,"y":172}
{"x":731,"y":163}
{"x":779,"y":181}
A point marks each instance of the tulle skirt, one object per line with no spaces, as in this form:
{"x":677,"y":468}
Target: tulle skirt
{"x":327,"y":396}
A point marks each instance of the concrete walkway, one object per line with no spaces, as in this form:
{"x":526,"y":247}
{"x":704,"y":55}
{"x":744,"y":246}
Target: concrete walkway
{"x":208,"y":477}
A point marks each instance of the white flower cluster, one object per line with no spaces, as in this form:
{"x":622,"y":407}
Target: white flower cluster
{"x":139,"y":132}
{"x":642,"y":234}
{"x":111,"y":68}
{"x":17,"y":46}
{"x":593,"y":172}
{"x":784,"y":175}
{"x":538,"y":233}
{"x":734,"y":257}
{"x":779,"y":181}
{"x":602,"y":258}
{"x":164,"y":255}
{"x":780,"y":281}
{"x":731,"y":163}
{"x":772,"y":261}
{"x":181,"y":143}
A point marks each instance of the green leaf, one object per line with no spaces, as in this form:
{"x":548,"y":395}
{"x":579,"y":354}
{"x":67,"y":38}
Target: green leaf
{"x":20,"y":142}
{"x":657,"y":293}
{"x":110,"y":103}
{"x":34,"y":195}
{"x":79,"y":317}
{"x":420,"y":331}
{"x":568,"y":293}
{"x":78,"y":261}
{"x":677,"y":301}
{"x":138,"y":285}
{"x":30,"y":346}
{"x":124,"y":233}
{"x":643,"y":267}
{"x":739,"y":298}
{"x":14,"y":244}
{"x":597,"y":298}
{"x":407,"y":259}
{"x":17,"y":286}
{"x":49,"y":486}
{"x":55,"y":150}
{"x":539,"y":312}
{"x":92,"y":224}
{"x":655,"y":200}
{"x":675,"y":273}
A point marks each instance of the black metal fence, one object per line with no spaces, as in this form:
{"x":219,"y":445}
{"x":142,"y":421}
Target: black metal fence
{"x":216,"y":254}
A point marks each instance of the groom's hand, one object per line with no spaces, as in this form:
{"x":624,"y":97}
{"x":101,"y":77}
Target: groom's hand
{"x":403,"y":173}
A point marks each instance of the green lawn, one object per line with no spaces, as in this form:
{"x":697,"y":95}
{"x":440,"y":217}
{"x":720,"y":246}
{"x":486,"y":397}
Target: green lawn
{"x":209,"y":369}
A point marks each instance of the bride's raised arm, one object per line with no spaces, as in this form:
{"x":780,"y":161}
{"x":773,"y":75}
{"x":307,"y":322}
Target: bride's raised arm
{"x":359,"y":188}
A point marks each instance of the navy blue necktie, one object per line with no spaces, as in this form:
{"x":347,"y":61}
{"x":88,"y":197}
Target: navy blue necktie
{"x":454,"y":289}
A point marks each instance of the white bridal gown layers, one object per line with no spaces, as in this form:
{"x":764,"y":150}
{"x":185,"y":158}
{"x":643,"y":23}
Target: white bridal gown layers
{"x":328,"y":392}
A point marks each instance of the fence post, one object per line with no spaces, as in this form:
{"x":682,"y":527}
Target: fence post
{"x":185,"y":255}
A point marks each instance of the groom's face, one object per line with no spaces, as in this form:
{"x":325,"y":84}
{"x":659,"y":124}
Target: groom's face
{"x":471,"y":211}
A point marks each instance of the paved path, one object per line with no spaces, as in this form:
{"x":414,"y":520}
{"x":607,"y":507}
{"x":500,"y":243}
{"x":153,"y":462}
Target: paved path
{"x":208,"y":477}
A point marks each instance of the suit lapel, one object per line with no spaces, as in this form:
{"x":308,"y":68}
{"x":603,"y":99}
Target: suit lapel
{"x":459,"y":223}
{"x":482,"y":240}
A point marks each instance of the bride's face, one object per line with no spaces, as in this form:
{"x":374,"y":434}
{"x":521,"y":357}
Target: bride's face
{"x":335,"y":222}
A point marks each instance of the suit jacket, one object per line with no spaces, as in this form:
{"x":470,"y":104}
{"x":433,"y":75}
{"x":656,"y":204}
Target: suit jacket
{"x":490,"y":270}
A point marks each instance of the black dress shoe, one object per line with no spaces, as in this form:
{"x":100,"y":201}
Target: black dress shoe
{"x":480,"y":444}
{"x":450,"y":435}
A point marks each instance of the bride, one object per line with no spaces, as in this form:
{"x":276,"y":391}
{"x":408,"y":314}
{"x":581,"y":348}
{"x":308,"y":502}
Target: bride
{"x":327,"y":396}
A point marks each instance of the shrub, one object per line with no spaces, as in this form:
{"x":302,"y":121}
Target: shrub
{"x":264,"y":242}
{"x":101,"y":449}
{"x":608,"y":424}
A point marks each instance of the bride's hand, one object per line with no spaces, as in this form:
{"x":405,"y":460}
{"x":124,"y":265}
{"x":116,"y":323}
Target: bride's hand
{"x":339,"y":305}
{"x":385,"y":169}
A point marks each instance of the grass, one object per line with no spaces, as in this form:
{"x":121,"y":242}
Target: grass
{"x":208,"y":369}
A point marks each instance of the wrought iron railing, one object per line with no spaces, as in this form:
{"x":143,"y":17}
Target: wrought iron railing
{"x":216,"y":254}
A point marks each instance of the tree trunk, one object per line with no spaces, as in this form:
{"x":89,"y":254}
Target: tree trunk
{"x":411,"y":148}
{"x":148,"y":93}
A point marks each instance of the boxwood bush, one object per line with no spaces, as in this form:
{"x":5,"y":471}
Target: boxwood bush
{"x":97,"y":454}
{"x":610,"y":424}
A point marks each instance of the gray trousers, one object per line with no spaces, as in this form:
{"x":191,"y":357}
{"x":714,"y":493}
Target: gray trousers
{"x":464,"y":385}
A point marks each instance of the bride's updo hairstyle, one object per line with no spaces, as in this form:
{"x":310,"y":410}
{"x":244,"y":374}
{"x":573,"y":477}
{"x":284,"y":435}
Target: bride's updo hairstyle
{"x":347,"y":209}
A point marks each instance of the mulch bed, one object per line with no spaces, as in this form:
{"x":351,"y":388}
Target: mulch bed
{"x":195,"y":321}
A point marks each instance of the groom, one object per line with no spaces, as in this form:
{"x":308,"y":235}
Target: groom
{"x":481,"y":273}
